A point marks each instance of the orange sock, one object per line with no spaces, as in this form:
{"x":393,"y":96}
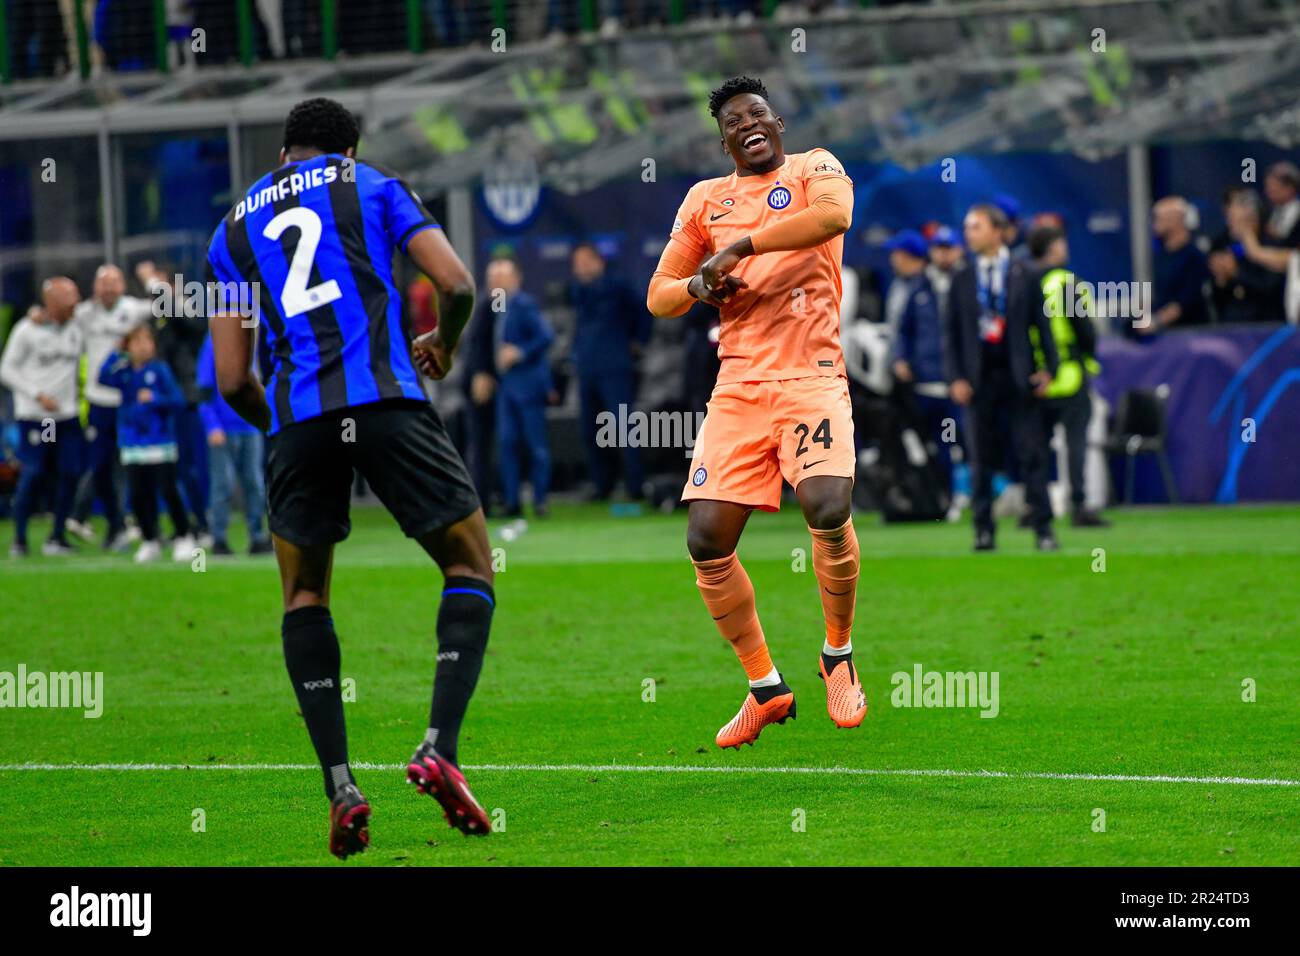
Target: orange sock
{"x":835,"y":561}
{"x":729,"y":596}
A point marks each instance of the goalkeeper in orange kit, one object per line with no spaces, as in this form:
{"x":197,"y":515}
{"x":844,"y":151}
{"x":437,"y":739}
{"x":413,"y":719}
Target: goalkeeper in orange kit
{"x":764,"y":244}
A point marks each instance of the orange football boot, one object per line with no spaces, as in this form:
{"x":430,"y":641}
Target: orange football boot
{"x":845,"y":701}
{"x":753,"y":717}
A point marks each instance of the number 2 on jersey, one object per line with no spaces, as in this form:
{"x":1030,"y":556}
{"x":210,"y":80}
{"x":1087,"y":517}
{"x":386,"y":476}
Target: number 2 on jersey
{"x":296,"y":298}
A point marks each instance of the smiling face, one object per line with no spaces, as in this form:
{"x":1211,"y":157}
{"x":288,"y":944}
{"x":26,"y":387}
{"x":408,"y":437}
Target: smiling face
{"x":751,"y":134}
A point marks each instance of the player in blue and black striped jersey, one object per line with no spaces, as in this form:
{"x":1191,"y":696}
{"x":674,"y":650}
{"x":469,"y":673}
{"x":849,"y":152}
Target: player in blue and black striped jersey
{"x":310,"y":249}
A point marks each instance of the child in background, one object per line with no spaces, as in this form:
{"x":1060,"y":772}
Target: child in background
{"x":234,"y":453}
{"x":146,"y":428}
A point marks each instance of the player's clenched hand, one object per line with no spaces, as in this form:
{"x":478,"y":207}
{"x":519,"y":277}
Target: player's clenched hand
{"x":730,"y":285}
{"x":719,"y":267}
{"x":431,"y":355}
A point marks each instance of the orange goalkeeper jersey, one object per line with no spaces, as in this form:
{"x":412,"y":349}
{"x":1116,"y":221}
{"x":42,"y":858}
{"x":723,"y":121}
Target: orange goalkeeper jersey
{"x":787,"y":323}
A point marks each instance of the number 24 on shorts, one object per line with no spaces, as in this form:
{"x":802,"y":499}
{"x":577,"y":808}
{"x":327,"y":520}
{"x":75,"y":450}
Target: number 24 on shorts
{"x":821,"y":435}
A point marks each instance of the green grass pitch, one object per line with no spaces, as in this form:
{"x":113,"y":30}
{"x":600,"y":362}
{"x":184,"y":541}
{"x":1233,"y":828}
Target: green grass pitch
{"x":1136,"y":671}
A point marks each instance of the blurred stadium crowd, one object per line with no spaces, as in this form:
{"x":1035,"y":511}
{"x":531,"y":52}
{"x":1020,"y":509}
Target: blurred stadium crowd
{"x":107,"y":400}
{"x":110,"y":404}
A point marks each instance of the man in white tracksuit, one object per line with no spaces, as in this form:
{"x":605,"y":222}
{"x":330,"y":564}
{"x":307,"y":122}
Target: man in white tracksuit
{"x":39,"y":366}
{"x":104,"y":320}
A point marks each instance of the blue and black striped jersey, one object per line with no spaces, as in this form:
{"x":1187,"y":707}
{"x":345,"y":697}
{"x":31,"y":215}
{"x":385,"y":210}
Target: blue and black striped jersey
{"x":318,"y":238}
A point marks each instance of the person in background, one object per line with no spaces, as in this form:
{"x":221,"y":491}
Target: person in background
{"x":1012,"y":234}
{"x":700,"y":361}
{"x":146,"y":429}
{"x":946,"y":257}
{"x":179,"y":337}
{"x":104,"y":319}
{"x":1243,"y":289}
{"x":39,"y":44}
{"x":612,"y":327}
{"x":234,"y":454}
{"x":1227,"y":201}
{"x":1243,"y":229}
{"x":1180,"y":272}
{"x":39,"y":366}
{"x":918,"y":343}
{"x":1067,"y":400}
{"x":479,"y":385}
{"x":422,"y":304}
{"x":992,"y":369}
{"x":1282,"y":190}
{"x":522,"y":340}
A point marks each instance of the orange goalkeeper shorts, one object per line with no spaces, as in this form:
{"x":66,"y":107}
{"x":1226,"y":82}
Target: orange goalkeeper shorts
{"x":756,"y":434}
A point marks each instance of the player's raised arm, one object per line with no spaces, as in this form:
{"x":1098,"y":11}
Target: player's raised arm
{"x":828,"y":214}
{"x":434,"y":256}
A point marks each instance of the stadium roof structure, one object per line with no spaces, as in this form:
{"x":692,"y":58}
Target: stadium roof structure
{"x":910,"y":84}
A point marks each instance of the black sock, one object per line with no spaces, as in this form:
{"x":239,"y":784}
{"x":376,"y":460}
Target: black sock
{"x":830,"y":662}
{"x":764,"y":694}
{"x":311,"y":653}
{"x":464,"y":619}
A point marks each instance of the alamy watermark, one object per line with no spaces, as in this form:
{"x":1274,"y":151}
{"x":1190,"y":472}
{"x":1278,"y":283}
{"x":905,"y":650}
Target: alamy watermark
{"x":636,"y":429}
{"x":1110,"y":300}
{"x":922,"y":688}
{"x":200,"y":300}
{"x":76,"y":690}
{"x":133,"y":911}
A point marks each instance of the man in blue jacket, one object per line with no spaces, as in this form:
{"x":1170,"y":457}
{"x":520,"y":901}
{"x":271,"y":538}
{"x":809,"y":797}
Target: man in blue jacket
{"x":234,"y":452}
{"x":918,"y":340}
{"x":612,"y":325}
{"x":524,"y":385}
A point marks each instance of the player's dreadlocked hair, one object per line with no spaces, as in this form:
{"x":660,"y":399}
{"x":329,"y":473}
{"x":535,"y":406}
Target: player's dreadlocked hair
{"x":322,"y":124}
{"x":734,"y":87}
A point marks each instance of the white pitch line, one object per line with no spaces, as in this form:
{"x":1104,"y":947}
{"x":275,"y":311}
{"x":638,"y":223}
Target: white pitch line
{"x":665,"y":768}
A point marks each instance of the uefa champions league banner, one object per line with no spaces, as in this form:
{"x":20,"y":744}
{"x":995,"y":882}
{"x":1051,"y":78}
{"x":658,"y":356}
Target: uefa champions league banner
{"x":1233,"y":407}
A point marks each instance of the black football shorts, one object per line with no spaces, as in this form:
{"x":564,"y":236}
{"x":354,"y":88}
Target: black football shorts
{"x":401,"y":448}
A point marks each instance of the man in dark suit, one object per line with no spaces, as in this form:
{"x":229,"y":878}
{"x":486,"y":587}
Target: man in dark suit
{"x":522,"y":340}
{"x":993,"y":303}
{"x":612,"y":327}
